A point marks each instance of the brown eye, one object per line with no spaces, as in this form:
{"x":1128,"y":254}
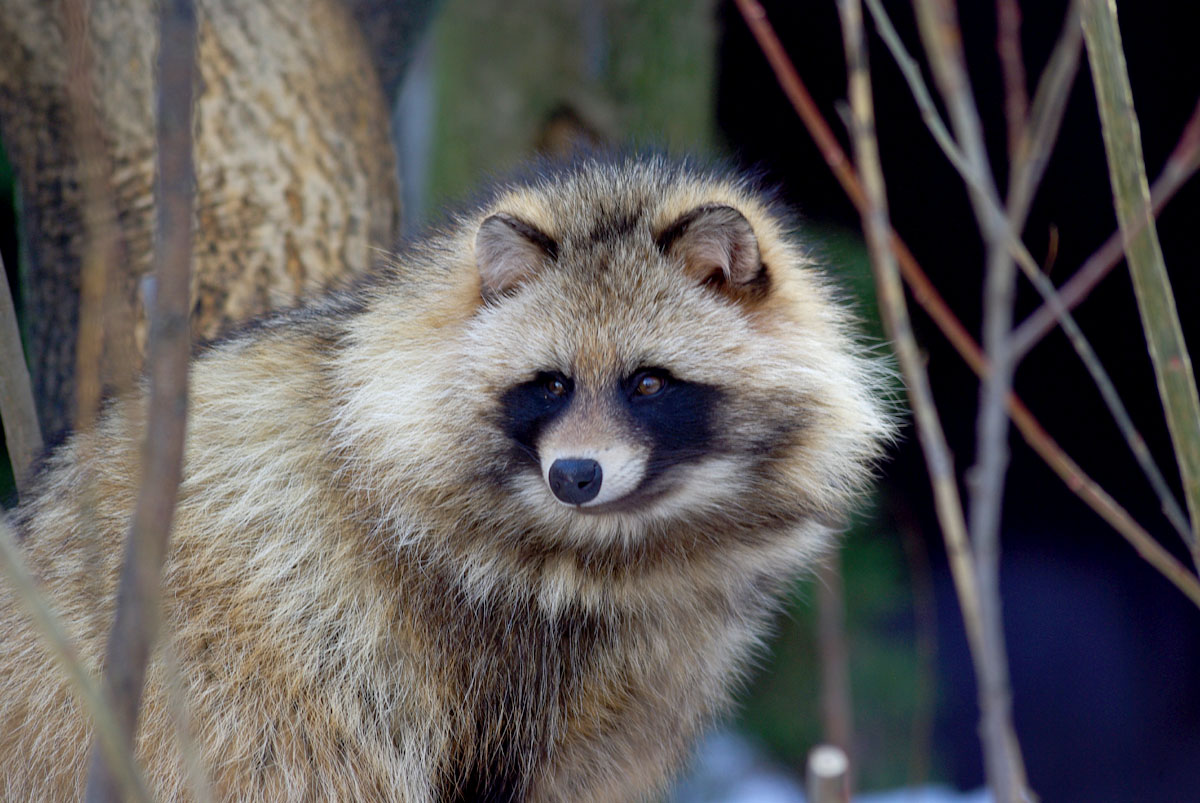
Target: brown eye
{"x":650,"y":385}
{"x":556,"y":387}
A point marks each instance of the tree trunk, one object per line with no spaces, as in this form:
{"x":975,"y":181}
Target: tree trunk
{"x":295,"y":171}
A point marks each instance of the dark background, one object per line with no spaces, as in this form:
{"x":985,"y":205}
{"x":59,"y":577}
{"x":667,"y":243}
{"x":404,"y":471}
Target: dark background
{"x":1105,"y":654}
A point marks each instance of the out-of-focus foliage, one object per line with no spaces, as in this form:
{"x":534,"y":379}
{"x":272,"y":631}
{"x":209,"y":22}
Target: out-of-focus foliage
{"x":890,"y":694}
{"x":505,"y":71}
{"x":782,"y":710}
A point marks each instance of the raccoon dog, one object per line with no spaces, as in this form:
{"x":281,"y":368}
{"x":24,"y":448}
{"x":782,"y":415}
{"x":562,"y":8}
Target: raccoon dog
{"x":501,"y":523}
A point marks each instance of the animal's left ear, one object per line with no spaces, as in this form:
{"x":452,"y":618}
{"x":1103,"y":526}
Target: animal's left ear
{"x":509,"y":251}
{"x":718,"y":248}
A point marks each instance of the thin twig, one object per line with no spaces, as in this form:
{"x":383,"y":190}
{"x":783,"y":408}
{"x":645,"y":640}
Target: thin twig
{"x":101,"y":248}
{"x":1039,"y":135}
{"x":1024,"y":184}
{"x":916,"y":84}
{"x":90,"y":692}
{"x":926,"y":294}
{"x":1016,"y":96}
{"x":937,"y":21}
{"x":1180,"y":167}
{"x":137,"y":620}
{"x":837,"y":710}
{"x":22,"y":434}
{"x":1152,"y":287}
{"x":894,"y":311}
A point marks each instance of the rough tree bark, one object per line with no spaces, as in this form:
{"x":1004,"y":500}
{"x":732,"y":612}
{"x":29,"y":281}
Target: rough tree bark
{"x":295,"y":171}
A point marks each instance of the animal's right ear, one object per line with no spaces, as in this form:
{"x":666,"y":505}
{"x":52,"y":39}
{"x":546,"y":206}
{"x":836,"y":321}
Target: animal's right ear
{"x":716,"y":246}
{"x":508,"y":251}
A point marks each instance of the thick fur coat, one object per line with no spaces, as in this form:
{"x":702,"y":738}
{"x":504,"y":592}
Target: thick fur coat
{"x":503,"y":522}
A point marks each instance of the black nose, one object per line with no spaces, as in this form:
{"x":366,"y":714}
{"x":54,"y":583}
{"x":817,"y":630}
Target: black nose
{"x":575,"y":481}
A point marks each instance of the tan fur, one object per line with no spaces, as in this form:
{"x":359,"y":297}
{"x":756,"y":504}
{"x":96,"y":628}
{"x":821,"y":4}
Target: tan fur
{"x":371,"y":598}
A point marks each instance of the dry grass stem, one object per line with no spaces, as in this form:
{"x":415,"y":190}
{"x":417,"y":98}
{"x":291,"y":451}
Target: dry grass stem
{"x":1152,"y":287}
{"x":21,"y":431}
{"x":89,"y":690}
{"x":137,"y":619}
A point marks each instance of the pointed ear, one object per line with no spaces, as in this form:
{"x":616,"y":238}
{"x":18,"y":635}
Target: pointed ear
{"x":717,"y":247}
{"x":508,"y":251}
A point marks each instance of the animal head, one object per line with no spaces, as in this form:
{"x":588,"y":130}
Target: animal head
{"x":620,"y":354}
{"x":620,"y":406}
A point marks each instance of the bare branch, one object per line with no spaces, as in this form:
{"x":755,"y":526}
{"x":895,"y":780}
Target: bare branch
{"x":1180,"y":167}
{"x":1026,"y":176}
{"x":185,"y":737}
{"x":894,"y":311}
{"x":1016,"y":96}
{"x":89,"y":690}
{"x":938,"y":24}
{"x":137,"y":619}
{"x":1099,"y":500}
{"x":1037,"y":139}
{"x":926,"y":294}
{"x":925,"y":621}
{"x":801,"y":100}
{"x":21,"y":430}
{"x":916,"y":84}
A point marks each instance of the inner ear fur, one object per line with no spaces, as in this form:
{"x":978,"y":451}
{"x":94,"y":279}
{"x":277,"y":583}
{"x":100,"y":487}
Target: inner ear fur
{"x":717,"y":247}
{"x":508,"y":251}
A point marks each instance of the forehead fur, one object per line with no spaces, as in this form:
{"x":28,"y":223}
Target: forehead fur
{"x":612,"y":301}
{"x":593,"y":202}
{"x":606,"y":328}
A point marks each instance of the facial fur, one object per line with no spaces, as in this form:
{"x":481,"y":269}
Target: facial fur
{"x":597,"y":287}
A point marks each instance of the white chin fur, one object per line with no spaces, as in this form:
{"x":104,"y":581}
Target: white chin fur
{"x":621,"y":471}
